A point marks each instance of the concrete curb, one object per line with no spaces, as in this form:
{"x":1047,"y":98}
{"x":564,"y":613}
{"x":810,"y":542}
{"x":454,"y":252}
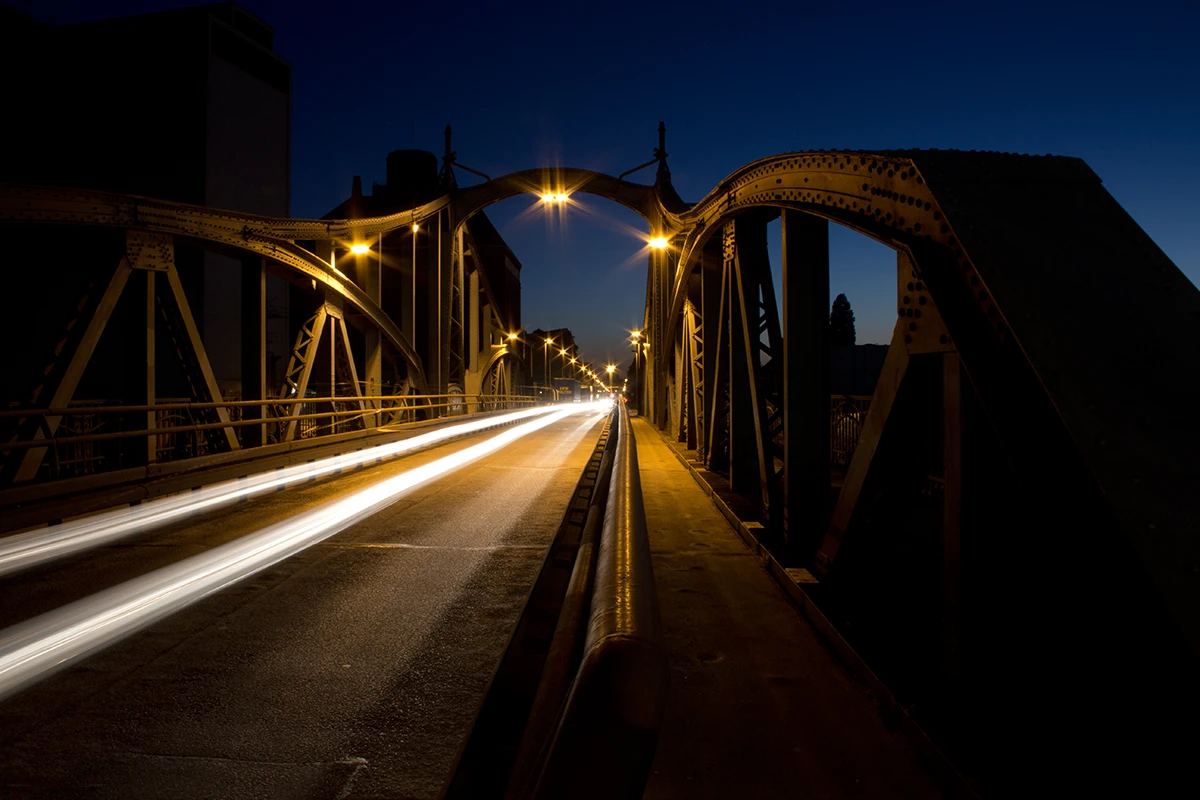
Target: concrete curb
{"x":894,"y":716}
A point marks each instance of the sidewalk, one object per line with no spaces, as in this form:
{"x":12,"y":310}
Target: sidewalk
{"x":757,"y":707}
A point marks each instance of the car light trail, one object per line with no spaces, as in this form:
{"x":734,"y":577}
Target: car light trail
{"x":26,"y":550}
{"x":32,"y":649}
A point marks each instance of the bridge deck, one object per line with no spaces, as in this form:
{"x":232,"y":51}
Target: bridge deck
{"x":757,"y":707}
{"x":353,"y":669}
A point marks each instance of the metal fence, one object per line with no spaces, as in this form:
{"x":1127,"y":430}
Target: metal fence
{"x":88,"y":438}
{"x":846,"y":416}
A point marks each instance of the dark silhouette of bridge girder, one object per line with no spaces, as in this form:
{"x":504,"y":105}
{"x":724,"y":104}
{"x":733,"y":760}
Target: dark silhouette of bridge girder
{"x":1017,"y":452}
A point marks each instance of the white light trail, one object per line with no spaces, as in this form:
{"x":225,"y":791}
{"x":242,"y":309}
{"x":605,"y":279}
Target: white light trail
{"x":25,"y":550}
{"x":30,"y":650}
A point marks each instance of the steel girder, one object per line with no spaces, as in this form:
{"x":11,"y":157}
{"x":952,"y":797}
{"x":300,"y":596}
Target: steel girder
{"x":1017,"y":261}
{"x":244,"y":232}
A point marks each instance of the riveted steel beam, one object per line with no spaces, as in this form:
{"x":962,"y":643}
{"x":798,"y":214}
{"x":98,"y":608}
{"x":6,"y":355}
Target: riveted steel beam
{"x":264,"y":236}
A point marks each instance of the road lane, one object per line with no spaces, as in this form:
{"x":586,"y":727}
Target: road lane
{"x":357,"y":663}
{"x":43,"y":545}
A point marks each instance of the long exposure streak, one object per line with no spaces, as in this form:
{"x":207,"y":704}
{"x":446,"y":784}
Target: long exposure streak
{"x":26,"y":550}
{"x":32,"y":649}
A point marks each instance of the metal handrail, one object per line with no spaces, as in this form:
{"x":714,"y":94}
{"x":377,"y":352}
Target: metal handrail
{"x":64,"y":438}
{"x":605,"y":742}
{"x":270,"y":401}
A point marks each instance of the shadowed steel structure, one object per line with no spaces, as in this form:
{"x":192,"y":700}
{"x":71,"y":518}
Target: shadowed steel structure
{"x":1030,"y":439}
{"x":1031,"y":436}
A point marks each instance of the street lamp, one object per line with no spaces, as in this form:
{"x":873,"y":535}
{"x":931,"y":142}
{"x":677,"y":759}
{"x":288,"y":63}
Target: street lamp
{"x":610,"y":369}
{"x":658,"y":242}
{"x":546,"y":360}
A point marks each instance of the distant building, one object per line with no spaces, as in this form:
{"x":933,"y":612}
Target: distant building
{"x":190,"y":105}
{"x":412,"y":179}
{"x":546,"y":361}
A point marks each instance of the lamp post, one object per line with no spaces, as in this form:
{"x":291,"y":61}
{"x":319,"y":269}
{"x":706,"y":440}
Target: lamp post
{"x":512,"y":339}
{"x":546,"y":361}
{"x":635,"y":338}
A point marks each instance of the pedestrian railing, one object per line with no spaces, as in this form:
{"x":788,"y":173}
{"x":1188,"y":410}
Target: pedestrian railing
{"x":91,"y":438}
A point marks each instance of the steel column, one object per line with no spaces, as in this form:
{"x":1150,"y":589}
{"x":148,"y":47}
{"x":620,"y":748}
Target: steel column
{"x":952,"y":480}
{"x":371,"y":276}
{"x":254,"y":346}
{"x":456,"y":361}
{"x":711,"y":273}
{"x":756,"y":315}
{"x":806,"y":478}
{"x":150,"y":314}
{"x":743,"y":428}
{"x":693,"y":332}
{"x":716,"y":348}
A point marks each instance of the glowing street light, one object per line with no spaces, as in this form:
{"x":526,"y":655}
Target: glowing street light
{"x":416,"y":228}
{"x":555,"y":197}
{"x":546,"y":360}
{"x":360,"y":249}
{"x":658,"y":242}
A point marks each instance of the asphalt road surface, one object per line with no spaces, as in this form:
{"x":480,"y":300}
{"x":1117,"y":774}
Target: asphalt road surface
{"x":350,"y":670}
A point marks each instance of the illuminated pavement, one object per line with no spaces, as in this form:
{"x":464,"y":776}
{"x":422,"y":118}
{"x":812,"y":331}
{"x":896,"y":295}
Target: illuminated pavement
{"x":756,"y":705}
{"x":349,"y":670}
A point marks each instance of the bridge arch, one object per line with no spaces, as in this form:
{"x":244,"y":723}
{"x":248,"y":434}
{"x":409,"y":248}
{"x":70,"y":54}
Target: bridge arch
{"x":883,"y":196}
{"x":637,"y":197}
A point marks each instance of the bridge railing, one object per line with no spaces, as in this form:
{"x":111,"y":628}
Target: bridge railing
{"x":847,"y":412}
{"x":593,"y":735}
{"x":92,"y":438}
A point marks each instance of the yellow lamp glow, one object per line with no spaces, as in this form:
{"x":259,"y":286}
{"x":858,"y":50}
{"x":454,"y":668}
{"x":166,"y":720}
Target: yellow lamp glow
{"x":658,"y":243}
{"x":359,"y":249}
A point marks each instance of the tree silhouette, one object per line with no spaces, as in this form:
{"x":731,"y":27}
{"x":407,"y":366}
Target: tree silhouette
{"x":841,"y":322}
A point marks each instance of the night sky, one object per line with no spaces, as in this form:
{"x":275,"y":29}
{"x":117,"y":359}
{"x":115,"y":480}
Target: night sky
{"x":585,"y":85}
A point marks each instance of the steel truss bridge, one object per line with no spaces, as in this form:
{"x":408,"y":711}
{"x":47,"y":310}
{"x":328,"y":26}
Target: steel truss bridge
{"x":1023,"y":482}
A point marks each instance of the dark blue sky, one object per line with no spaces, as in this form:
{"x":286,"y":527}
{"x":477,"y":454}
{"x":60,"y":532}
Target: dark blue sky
{"x":585,"y":84}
